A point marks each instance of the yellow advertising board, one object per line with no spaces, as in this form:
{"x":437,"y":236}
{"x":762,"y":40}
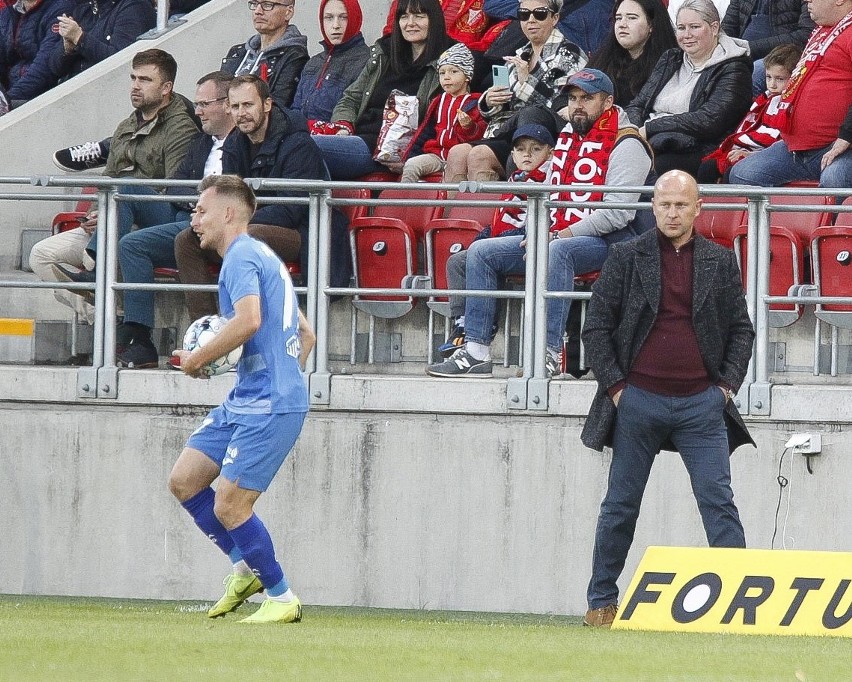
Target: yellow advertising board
{"x":746,"y":591}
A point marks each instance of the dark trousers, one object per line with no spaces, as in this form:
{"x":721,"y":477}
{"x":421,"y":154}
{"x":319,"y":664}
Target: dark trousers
{"x":644,"y":422}
{"x":193,"y":262}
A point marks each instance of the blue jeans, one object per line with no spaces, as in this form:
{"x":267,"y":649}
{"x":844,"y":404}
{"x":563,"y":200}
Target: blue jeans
{"x":644,"y":421}
{"x":488,"y":260}
{"x":139,"y":253}
{"x":139,"y":213}
{"x":347,"y":156}
{"x":758,"y":78}
{"x":777,"y":165}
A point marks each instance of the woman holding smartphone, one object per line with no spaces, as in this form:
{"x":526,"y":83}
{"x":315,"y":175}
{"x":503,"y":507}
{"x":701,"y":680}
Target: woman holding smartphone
{"x":536,"y":73}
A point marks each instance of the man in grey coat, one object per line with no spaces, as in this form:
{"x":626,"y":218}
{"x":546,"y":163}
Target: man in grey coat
{"x":669,"y":339}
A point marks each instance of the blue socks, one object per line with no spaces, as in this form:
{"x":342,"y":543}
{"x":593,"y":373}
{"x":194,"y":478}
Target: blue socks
{"x":200,"y":508}
{"x":255,"y":546}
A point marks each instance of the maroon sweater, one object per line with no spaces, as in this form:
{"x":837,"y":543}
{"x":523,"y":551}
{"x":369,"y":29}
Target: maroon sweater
{"x":669,"y":362}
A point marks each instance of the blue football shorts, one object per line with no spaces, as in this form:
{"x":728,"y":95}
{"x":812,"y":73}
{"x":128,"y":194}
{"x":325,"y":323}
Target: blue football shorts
{"x":249,"y":448}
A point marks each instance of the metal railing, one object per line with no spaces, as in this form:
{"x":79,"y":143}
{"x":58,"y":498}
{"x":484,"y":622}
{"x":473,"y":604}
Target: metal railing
{"x":100,"y":380}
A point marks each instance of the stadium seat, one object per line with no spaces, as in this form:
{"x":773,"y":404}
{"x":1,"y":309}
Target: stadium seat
{"x":831,"y":255}
{"x":484,"y":215}
{"x":415,"y":217}
{"x":384,"y":255}
{"x":353,"y":211}
{"x":719,"y":225}
{"x":68,"y":220}
{"x":789,"y":236}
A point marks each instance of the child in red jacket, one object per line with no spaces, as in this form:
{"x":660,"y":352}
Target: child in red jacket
{"x":452,"y":117}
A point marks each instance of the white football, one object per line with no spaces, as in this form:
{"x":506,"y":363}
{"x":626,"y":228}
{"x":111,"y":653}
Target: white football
{"x":200,"y":333}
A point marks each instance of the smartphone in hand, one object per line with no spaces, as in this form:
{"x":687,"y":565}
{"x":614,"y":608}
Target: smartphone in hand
{"x":500,"y":75}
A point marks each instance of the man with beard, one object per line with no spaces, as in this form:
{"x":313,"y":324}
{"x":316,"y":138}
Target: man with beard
{"x":151,"y":143}
{"x":268,"y":142}
{"x":598,"y":146}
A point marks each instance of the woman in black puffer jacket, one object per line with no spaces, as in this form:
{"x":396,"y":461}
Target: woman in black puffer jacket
{"x":696,"y":94}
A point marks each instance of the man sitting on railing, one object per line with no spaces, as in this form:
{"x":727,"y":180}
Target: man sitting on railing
{"x":816,"y":110}
{"x":269,"y":142}
{"x":597,"y":146}
{"x":150,"y":143}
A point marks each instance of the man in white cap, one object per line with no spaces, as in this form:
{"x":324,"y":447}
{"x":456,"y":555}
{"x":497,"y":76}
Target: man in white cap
{"x":598,"y":146}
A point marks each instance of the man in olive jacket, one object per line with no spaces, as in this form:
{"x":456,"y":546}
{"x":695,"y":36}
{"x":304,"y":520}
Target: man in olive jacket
{"x":669,"y":339}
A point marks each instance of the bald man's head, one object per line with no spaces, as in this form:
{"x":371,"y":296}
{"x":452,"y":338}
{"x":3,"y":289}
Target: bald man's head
{"x":676,"y":206}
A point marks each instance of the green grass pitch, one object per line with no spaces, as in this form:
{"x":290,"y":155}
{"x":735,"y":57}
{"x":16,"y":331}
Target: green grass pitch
{"x":65,"y":638}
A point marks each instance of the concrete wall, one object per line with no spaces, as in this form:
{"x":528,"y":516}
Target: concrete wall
{"x":376,"y":507}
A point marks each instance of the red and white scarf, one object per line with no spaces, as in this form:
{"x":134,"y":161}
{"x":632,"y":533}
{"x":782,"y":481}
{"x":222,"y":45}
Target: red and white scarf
{"x":814,"y":52}
{"x":581,"y":160}
{"x":513,"y":216}
{"x":758,"y":130}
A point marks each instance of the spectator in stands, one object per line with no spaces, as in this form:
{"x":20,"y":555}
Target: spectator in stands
{"x":597,"y":146}
{"x":669,"y":339}
{"x":329,"y":73}
{"x":452,"y":117}
{"x":815,"y":111}
{"x":405,"y":61}
{"x":141,"y":251}
{"x":268,"y":142}
{"x":766,"y":24}
{"x":150,"y":143}
{"x":276,"y":54}
{"x":674,"y":6}
{"x":532,"y":151}
{"x":641,"y":33}
{"x":537,"y":72}
{"x":697,"y":93}
{"x":97,"y":29}
{"x":27,"y":38}
{"x":466,"y":22}
{"x":582,"y":22}
{"x":756,"y":131}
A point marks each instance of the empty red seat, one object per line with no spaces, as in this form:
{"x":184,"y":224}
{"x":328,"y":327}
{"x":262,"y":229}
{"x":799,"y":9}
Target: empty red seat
{"x":384,"y":255}
{"x":415,"y":216}
{"x":831,"y":255}
{"x":444,"y":238}
{"x":718,"y":224}
{"x":352,"y":211}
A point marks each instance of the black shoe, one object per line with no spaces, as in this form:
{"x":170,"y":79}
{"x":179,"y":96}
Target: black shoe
{"x":80,"y":157}
{"x":78,"y":276}
{"x":454,"y":341}
{"x":138,"y":356}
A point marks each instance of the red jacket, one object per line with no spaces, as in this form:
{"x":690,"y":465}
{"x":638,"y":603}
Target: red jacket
{"x":440,"y":131}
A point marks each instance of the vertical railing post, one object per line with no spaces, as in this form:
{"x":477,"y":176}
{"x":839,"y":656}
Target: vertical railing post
{"x":759,"y":391}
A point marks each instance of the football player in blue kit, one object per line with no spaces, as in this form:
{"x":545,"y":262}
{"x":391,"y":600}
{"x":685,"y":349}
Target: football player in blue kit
{"x":245,"y":440}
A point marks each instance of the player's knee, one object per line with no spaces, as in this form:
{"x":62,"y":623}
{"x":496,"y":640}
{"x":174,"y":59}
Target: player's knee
{"x":180,"y":486}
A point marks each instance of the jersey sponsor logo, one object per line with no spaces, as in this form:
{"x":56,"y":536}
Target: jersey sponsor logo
{"x":294,"y":347}
{"x":745,"y":591}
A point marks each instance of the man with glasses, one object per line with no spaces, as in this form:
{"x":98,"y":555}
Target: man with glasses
{"x":141,"y":251}
{"x":276,"y":53}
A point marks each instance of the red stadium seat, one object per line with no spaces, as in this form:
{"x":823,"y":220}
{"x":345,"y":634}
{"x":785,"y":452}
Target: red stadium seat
{"x":831,"y":254}
{"x":719,"y":225}
{"x":789,"y":236}
{"x":68,"y":220}
{"x":786,"y":265}
{"x":445,"y":237}
{"x":415,"y":217}
{"x":354,"y":210}
{"x":384,"y":255}
{"x":484,"y":215}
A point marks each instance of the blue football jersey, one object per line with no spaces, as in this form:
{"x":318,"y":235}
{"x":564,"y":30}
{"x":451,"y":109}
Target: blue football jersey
{"x":269,"y":379}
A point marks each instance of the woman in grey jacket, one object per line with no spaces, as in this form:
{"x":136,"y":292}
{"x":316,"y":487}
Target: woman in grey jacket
{"x":697,"y":93}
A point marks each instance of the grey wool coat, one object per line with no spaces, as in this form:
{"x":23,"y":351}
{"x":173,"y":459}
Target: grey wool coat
{"x":622,"y":311}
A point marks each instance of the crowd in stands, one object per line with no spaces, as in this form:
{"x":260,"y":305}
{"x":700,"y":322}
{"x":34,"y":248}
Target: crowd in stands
{"x":676,"y":93}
